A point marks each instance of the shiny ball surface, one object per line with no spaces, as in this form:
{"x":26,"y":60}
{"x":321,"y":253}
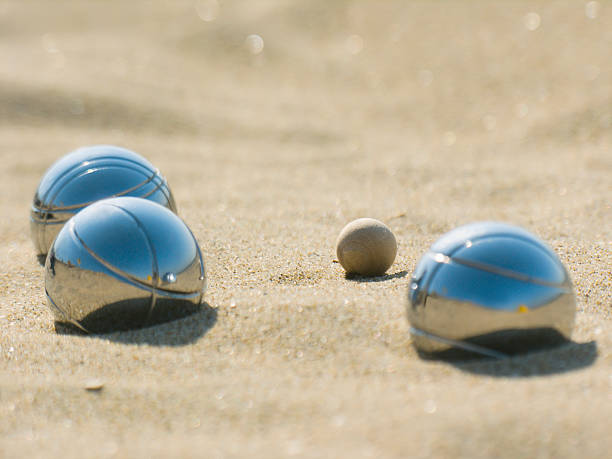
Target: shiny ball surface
{"x":491,"y":288}
{"x":119,"y":262}
{"x":85,"y":176}
{"x":366,"y":247}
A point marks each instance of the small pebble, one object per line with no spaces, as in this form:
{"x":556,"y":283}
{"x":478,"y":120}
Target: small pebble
{"x":367,"y":247}
{"x":94,"y":385}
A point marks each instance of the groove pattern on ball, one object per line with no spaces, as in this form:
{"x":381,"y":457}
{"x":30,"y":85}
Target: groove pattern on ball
{"x":120,"y":260}
{"x":85,"y":176}
{"x":491,"y":285}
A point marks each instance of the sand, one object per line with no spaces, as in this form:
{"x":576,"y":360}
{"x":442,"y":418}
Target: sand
{"x":424,"y":115}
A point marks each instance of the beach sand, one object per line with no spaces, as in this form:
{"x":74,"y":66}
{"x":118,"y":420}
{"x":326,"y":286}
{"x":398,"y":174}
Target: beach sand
{"x":425,"y":115}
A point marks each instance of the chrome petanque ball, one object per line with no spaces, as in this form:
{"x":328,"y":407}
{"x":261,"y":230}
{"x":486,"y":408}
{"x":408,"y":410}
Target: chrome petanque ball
{"x":489,"y":288}
{"x":87,"y":175}
{"x":123,"y":263}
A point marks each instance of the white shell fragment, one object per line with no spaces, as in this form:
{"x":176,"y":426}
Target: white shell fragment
{"x":94,"y":385}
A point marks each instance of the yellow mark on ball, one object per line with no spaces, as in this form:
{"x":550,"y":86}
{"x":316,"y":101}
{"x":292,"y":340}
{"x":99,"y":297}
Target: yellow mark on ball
{"x":522,"y":308}
{"x":149,"y":278}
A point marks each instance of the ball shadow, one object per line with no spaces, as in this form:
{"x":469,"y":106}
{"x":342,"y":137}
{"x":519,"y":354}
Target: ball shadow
{"x":383,"y":278}
{"x":166,"y":326}
{"x":546,"y":360}
{"x":41,"y":259}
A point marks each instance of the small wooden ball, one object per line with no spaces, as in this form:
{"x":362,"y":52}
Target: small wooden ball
{"x":367,"y":247}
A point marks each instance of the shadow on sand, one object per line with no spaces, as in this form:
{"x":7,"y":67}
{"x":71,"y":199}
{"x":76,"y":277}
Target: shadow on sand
{"x":32,"y":105}
{"x":166,"y":327}
{"x":41,"y":259}
{"x":562,"y":358}
{"x":383,"y":278}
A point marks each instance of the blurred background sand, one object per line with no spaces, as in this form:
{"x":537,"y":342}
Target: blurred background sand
{"x":276,"y":123}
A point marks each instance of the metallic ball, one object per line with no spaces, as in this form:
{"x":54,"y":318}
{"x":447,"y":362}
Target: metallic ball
{"x":489,"y":288}
{"x":367,"y":247}
{"x":121,"y":261}
{"x":87,"y":175}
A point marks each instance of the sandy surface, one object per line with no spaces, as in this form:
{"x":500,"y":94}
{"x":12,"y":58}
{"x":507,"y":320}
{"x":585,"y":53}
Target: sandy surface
{"x":425,"y":115}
